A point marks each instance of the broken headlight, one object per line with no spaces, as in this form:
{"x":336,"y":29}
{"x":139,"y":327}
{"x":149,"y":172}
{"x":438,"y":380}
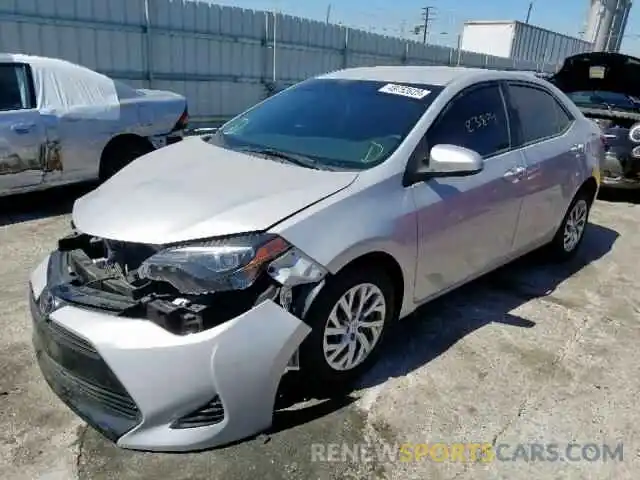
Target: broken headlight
{"x":230,"y":264}
{"x":295,"y":268}
{"x":215,"y":265}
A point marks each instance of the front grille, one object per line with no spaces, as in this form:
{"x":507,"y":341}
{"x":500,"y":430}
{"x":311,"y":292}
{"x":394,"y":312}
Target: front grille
{"x":209,"y":414}
{"x":121,"y":405}
{"x":70,"y":340}
{"x":77,"y":373}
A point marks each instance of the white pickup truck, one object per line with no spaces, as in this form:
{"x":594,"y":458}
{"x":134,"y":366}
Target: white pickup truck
{"x":62,"y":123}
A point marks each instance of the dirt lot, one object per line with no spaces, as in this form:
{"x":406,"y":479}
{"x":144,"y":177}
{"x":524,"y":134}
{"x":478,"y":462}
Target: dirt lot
{"x":531,"y":354}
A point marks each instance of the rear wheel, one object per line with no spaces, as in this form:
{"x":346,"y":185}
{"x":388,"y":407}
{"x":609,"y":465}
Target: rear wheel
{"x":348,"y":321}
{"x":570,"y":234}
{"x":118,"y":156}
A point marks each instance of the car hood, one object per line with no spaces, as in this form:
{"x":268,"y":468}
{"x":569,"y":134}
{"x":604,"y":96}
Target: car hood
{"x":610,"y":72}
{"x":194,"y":190}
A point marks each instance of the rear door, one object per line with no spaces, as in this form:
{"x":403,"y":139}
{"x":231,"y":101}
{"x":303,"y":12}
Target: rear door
{"x":466,"y":225}
{"x":22,"y":133}
{"x":549,"y":139}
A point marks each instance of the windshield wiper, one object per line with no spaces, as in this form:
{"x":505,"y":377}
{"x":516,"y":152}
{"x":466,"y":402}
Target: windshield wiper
{"x":300,"y":160}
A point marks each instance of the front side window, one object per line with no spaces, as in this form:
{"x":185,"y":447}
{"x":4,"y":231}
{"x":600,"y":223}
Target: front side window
{"x":475,"y":120}
{"x":14,"y":87}
{"x":348,"y":124}
{"x":539,"y":113}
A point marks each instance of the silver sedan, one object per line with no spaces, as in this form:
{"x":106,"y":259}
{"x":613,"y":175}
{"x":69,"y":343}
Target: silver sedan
{"x":291,"y":239}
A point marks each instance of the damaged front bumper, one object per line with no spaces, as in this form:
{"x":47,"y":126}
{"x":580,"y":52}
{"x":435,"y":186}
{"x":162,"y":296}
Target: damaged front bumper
{"x":147,"y":388}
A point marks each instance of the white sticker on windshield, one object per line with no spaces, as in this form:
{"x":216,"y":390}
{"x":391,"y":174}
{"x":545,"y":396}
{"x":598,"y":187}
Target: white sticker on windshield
{"x":405,"y":91}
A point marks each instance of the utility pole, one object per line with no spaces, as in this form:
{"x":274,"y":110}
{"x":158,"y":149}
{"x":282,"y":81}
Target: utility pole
{"x":529,"y":12}
{"x":328,"y":13}
{"x":425,"y":28}
{"x":427,"y":16}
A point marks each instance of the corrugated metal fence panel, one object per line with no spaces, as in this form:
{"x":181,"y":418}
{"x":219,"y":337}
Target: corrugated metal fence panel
{"x":534,"y":44}
{"x":419,"y":54}
{"x":221,"y":58}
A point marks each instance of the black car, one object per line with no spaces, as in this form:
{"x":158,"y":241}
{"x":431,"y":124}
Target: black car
{"x":606,"y":87}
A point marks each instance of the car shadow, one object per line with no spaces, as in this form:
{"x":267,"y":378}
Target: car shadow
{"x":436,"y":327}
{"x":39,"y":205}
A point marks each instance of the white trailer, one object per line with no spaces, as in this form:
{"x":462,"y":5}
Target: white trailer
{"x":520,"y":41}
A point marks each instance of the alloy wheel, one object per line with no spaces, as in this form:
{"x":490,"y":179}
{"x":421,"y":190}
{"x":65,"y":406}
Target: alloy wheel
{"x":575,"y":225}
{"x":354,"y":326}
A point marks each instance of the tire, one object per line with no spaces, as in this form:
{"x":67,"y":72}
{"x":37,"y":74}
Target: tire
{"x":570,"y":234}
{"x":118,"y":157}
{"x":321,"y":370}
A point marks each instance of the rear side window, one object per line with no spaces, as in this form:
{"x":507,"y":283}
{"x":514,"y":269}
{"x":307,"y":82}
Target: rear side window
{"x":15,"y":90}
{"x":476,"y":120}
{"x":537,"y":114}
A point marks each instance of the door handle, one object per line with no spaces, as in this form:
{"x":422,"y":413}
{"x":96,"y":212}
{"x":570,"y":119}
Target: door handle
{"x":22,"y":128}
{"x":515,"y":174}
{"x":577,"y":148}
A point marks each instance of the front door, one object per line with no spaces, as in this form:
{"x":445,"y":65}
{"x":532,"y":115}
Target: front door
{"x":22,"y":134}
{"x":466,"y":225}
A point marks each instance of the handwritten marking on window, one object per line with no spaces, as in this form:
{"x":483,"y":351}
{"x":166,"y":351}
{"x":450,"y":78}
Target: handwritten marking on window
{"x":480,"y":121}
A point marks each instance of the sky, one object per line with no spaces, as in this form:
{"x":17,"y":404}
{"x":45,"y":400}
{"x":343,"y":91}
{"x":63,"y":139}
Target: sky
{"x":400,"y":16}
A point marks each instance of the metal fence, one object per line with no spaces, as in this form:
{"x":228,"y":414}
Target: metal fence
{"x":223,"y":59}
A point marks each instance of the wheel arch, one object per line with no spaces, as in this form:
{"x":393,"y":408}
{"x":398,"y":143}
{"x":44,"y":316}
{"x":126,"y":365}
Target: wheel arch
{"x":122,"y":141}
{"x":590,"y":187}
{"x":386,"y":262}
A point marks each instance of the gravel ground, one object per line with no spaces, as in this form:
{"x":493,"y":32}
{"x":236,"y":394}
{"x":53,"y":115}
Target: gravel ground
{"x":532,"y":353}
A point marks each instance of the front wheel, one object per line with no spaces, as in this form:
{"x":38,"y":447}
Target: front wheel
{"x":349,"y":319}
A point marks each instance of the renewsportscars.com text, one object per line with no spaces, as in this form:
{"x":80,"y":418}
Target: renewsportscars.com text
{"x":468,"y":452}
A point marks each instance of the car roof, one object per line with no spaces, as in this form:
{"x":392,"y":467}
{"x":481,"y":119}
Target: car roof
{"x":30,"y":59}
{"x":34,"y":60}
{"x":429,"y":75}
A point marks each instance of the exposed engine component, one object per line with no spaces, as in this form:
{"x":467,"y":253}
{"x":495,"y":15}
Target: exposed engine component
{"x":107,"y":273}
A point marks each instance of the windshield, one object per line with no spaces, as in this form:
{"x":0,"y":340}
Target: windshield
{"x":348,"y":124}
{"x":598,"y":98}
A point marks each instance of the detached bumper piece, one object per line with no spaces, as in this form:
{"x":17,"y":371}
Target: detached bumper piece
{"x":621,"y":171}
{"x":80,"y":377}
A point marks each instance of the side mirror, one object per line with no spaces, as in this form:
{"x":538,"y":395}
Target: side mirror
{"x":452,"y":161}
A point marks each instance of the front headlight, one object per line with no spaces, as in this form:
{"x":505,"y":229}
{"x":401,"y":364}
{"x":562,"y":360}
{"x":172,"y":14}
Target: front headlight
{"x":214,"y":265}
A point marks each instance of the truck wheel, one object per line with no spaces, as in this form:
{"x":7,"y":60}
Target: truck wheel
{"x":119,"y":156}
{"x":348,"y":321}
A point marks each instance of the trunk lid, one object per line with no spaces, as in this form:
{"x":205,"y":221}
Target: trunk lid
{"x":609,"y":72}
